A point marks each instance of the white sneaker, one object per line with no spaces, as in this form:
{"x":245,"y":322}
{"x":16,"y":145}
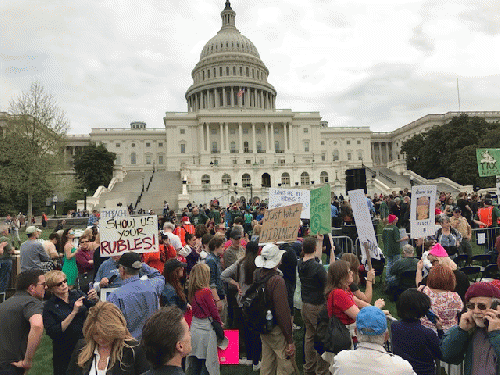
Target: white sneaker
{"x":244,"y":361}
{"x":295,"y":327}
{"x":256,"y":367}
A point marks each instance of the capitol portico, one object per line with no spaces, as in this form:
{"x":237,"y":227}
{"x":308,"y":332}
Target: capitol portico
{"x":232,"y":141}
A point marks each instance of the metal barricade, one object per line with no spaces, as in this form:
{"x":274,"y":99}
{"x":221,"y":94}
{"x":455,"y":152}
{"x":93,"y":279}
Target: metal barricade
{"x":485,"y":238}
{"x":344,"y":244}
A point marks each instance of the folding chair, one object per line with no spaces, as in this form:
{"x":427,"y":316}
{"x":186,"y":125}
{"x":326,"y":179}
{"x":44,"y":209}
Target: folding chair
{"x":490,"y":271}
{"x":461,"y":260}
{"x":483,"y":259}
{"x":471,"y":270}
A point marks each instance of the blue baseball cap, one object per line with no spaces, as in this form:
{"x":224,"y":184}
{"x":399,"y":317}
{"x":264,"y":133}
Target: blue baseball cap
{"x":371,"y":321}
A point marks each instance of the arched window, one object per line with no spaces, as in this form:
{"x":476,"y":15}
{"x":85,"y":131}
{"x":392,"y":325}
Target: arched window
{"x":226,"y":179}
{"x":259,"y":146}
{"x":304,"y":179}
{"x":335,"y":155}
{"x":323,"y":177}
{"x":246,"y":180}
{"x":233,"y":147}
{"x":205,"y":182}
{"x":285,"y":179}
{"x":133,"y":158}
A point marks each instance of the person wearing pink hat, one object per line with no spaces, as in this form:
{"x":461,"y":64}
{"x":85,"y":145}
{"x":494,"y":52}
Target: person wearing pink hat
{"x":476,"y":339}
{"x":438,"y":255}
{"x":391,"y":238}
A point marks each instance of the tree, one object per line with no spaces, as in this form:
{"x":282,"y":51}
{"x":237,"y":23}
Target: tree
{"x":94,"y":166}
{"x":449,"y":150}
{"x":33,"y":141}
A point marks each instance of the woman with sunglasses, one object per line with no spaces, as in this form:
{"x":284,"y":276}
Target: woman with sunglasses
{"x":63,"y":317}
{"x":69,"y":268}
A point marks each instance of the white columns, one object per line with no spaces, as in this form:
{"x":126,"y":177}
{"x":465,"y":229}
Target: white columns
{"x":285,"y":137}
{"x":240,"y":132}
{"x":227,"y":137}
{"x":201,"y":138}
{"x":240,"y":98}
{"x":267,"y":138}
{"x":221,"y":133}
{"x":262,"y":99}
{"x":387,"y":151}
{"x":272,"y":137}
{"x":208,"y":138}
{"x":254,"y":144}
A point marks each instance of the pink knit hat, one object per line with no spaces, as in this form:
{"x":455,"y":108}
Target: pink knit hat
{"x":438,"y":251}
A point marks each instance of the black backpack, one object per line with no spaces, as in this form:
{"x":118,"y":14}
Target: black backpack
{"x":255,"y":304}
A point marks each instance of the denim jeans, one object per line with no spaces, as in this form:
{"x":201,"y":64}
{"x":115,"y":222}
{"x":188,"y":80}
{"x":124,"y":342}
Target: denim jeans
{"x":5,"y":271}
{"x":389,"y":261}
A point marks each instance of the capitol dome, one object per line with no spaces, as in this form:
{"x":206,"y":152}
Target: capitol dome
{"x":230,"y":73}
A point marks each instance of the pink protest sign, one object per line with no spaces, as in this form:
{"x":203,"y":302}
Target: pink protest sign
{"x":231,"y":355}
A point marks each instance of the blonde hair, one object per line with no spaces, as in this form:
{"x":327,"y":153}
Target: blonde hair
{"x":104,"y":319}
{"x":256,"y":229}
{"x":52,"y":277}
{"x":444,"y":261}
{"x":199,"y":278}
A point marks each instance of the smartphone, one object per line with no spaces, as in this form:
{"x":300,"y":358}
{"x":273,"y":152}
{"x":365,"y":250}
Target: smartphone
{"x":431,"y":316}
{"x":494,"y":306}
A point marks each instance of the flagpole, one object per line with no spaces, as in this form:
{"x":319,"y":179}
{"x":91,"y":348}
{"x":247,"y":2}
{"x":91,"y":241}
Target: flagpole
{"x":458,"y":95}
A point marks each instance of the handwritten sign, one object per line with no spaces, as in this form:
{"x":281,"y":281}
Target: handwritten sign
{"x":488,"y":161}
{"x":286,"y":197}
{"x":362,"y":216}
{"x":281,"y":224}
{"x":422,"y":211}
{"x":132,"y":233}
{"x":321,"y":211}
{"x":114,"y":212}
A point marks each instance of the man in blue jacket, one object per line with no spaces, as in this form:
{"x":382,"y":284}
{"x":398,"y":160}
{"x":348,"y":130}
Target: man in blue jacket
{"x":476,"y":340}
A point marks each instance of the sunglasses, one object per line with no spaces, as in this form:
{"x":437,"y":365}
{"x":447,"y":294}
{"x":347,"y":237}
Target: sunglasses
{"x":65,"y":281}
{"x":472,"y":306}
{"x":84,"y":241}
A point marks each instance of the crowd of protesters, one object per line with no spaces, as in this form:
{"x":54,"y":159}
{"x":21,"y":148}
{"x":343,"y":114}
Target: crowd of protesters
{"x":207,"y":261}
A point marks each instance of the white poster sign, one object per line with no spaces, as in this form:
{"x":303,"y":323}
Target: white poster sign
{"x":498,"y":188}
{"x":118,"y":212}
{"x":422,"y":211}
{"x":132,"y":233}
{"x":362,"y":217}
{"x":287,"y":197}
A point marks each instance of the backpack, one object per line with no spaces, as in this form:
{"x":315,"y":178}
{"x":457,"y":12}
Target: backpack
{"x":255,"y":304}
{"x":331,"y":334}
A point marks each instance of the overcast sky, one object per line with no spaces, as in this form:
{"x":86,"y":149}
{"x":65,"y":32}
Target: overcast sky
{"x":370,"y":63}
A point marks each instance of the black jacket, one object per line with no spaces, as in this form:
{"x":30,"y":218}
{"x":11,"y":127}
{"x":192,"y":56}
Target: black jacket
{"x":133,"y":361}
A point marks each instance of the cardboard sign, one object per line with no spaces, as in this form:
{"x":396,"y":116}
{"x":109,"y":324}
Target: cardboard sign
{"x":281,"y":224}
{"x":132,"y":233}
{"x":321,"y":211}
{"x":362,"y":217}
{"x":488,"y":161}
{"x":286,"y":197}
{"x":422,"y":211}
{"x":114,"y":212}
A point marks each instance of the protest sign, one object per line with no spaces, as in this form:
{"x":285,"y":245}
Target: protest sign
{"x":488,"y":161}
{"x":132,"y":233}
{"x":281,"y":224}
{"x":362,"y":216}
{"x":113,"y":212}
{"x":321,"y":211}
{"x":422,"y":211}
{"x":286,"y":197}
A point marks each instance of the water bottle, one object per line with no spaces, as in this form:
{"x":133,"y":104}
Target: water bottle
{"x":269,"y":321}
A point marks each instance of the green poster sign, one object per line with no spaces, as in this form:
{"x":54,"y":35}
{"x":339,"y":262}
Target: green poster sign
{"x":321,"y":220}
{"x":488,"y":161}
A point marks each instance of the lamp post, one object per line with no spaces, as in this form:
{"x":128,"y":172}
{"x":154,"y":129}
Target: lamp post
{"x":85,"y":201}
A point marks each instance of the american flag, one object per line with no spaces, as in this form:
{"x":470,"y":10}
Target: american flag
{"x":241,"y":92}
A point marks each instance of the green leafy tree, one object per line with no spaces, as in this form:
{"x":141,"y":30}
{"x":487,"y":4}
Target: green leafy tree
{"x":94,"y":166}
{"x":31,"y":150}
{"x":449,"y":150}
